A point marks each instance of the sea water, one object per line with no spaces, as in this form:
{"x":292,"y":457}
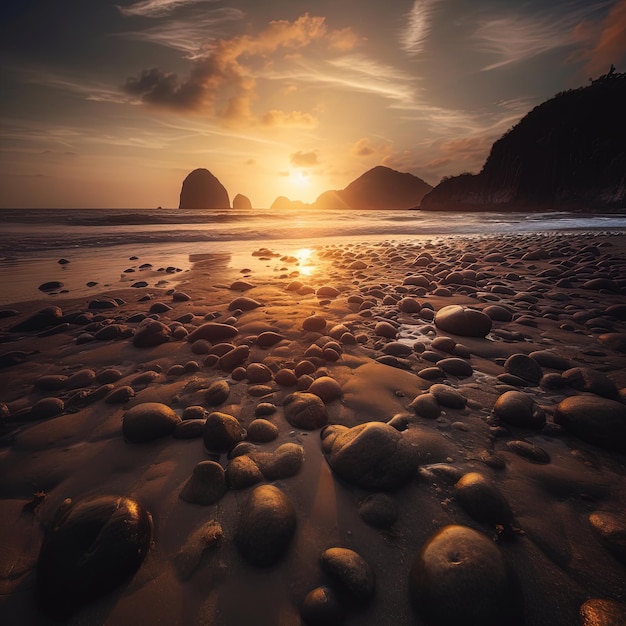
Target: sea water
{"x":100,"y":243}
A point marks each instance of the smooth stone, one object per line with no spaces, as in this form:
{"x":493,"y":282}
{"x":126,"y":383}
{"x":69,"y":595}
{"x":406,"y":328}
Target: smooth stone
{"x":46,"y":408}
{"x":268,"y":339}
{"x":222,"y":432}
{"x":326,"y":388}
{"x":235,"y":358}
{"x":519,"y":409}
{"x":189,"y":429}
{"x":284,"y":462}
{"x":599,"y":612}
{"x":213,"y":331}
{"x":350,"y":572}
{"x":258,"y":373}
{"x":614,"y":341}
{"x":594,"y":419}
{"x":206,"y":485}
{"x":373,"y":455}
{"x":51,"y":382}
{"x":590,"y":380}
{"x":611,"y":528}
{"x":482,"y":500}
{"x":409,"y":305}
{"x":322,"y":607}
{"x":529,"y":451}
{"x":151,"y":333}
{"x":461,"y":577}
{"x":314,"y":323}
{"x":498,"y":313}
{"x":217,"y":393}
{"x":385,"y":329}
{"x":551,"y":360}
{"x":242,"y":472}
{"x":395,"y":348}
{"x":262,"y":431}
{"x":462,"y":321}
{"x":91,"y":548}
{"x":199,"y":543}
{"x":81,"y":378}
{"x":379,"y":510}
{"x":448,"y":396}
{"x":51,"y":285}
{"x":426,"y":405}
{"x":265,"y":408}
{"x":266,"y":526}
{"x":159,"y":307}
{"x":305,"y":410}
{"x":456,"y":367}
{"x":120,"y":395}
{"x":525,"y":367}
{"x":148,"y":421}
{"x":109,"y":375}
{"x":286,"y":378}
{"x":244,"y":303}
{"x":49,"y":316}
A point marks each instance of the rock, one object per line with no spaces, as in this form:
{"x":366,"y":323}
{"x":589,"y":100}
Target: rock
{"x":590,"y":380}
{"x":222,"y":432}
{"x":258,"y":373}
{"x":305,"y":410}
{"x":461,"y":577}
{"x":242,"y":472}
{"x":482,"y":500}
{"x":327,"y":388}
{"x":120,"y":395}
{"x":551,"y":360}
{"x":217,"y":393}
{"x":322,"y":607}
{"x":148,"y":421}
{"x":455,"y":367}
{"x":426,"y":405}
{"x":529,"y":451}
{"x":151,"y":333}
{"x":498,"y":313}
{"x":204,"y":539}
{"x":598,"y":612}
{"x":350,"y":572}
{"x":268,"y":339}
{"x":373,"y":455}
{"x":262,"y":431}
{"x":51,"y":382}
{"x":611,"y":528}
{"x":448,"y":396}
{"x":233,"y":359}
{"x":159,"y":307}
{"x":519,"y":409}
{"x":81,"y":378}
{"x":379,"y":510}
{"x":266,"y":526}
{"x":52,"y":285}
{"x":385,"y":329}
{"x":314,"y":323}
{"x":462,"y":321}
{"x":284,"y":462}
{"x":91,"y":548}
{"x":202,"y":190}
{"x":244,"y":304}
{"x":214,"y":332}
{"x":614,"y":341}
{"x":206,"y":485}
{"x":594,"y":419}
{"x":525,"y":367}
{"x":242,"y":202}
{"x":44,"y":318}
{"x":189,"y":429}
{"x":46,"y":408}
{"x":286,"y":378}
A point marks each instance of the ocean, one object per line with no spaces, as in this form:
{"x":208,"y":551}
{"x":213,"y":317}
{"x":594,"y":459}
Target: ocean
{"x":101,"y":242}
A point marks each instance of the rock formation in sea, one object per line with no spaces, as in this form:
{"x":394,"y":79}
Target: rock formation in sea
{"x":242,"y":202}
{"x":202,"y":190}
{"x":282,"y":202}
{"x":567,"y":153}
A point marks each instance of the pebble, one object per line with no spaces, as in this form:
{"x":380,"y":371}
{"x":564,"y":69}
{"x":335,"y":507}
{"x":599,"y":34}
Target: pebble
{"x":48,"y":316}
{"x":379,"y":510}
{"x":326,"y":388}
{"x":426,"y":405}
{"x":305,"y":410}
{"x":148,"y":421}
{"x":262,"y":431}
{"x":213,"y":331}
{"x":217,"y":393}
{"x":519,"y":409}
{"x":599,"y":612}
{"x":322,"y":607}
{"x":482,"y":500}
{"x":151,"y":333}
{"x":222,"y":432}
{"x":448,"y":396}
{"x":529,"y":451}
{"x":611,"y":528}
{"x":524,"y":367}
{"x":463,"y":321}
{"x":206,"y":485}
{"x":46,"y":408}
{"x":350,"y":572}
{"x":314,"y":323}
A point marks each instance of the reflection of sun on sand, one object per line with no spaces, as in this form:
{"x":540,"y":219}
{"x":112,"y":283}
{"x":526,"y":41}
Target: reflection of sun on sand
{"x":305,"y":260}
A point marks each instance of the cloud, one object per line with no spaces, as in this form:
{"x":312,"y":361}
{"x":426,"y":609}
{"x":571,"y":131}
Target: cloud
{"x":293,"y":119}
{"x":364,"y":147}
{"x":222,"y":80}
{"x":517,"y":37}
{"x":157,"y":8}
{"x":418,"y":26}
{"x":304,"y":159}
{"x":606,"y":42}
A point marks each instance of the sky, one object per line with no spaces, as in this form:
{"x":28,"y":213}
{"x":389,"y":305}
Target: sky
{"x":111,"y":104}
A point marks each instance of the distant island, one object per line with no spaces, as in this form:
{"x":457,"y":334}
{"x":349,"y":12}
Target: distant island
{"x":568,"y":153}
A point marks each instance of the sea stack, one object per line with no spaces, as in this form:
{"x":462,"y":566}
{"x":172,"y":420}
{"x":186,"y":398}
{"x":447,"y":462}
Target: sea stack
{"x":242,"y":202}
{"x":202,"y":190}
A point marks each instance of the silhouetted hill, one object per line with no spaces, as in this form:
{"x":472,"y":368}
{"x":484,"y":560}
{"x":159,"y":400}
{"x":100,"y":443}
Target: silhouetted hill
{"x":567,"y":153}
{"x":202,"y":190}
{"x":379,"y":188}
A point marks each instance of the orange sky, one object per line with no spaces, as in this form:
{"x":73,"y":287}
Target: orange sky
{"x":111,"y":104}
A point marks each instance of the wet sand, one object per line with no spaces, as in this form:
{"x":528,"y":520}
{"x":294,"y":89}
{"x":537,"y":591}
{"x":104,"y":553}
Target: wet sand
{"x":541,"y":479}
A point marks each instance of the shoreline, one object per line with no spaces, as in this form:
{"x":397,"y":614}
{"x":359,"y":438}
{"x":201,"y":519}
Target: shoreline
{"x":382,"y":345}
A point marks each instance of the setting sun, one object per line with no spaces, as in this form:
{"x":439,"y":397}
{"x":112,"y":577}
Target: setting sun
{"x":300,"y":178}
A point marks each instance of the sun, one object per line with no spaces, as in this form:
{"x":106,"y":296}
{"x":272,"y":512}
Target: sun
{"x":300,"y":178}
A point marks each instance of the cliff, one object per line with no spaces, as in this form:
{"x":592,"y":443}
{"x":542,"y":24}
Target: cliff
{"x":202,"y":190}
{"x":567,"y":153}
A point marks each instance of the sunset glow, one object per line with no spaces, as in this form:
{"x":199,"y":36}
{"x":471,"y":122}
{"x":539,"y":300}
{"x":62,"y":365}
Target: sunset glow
{"x":112,"y":104}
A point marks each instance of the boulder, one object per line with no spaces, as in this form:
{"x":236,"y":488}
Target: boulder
{"x":206,"y":485}
{"x":90,"y":549}
{"x":202,"y":190}
{"x":222,"y":432}
{"x":148,"y":421}
{"x":519,"y":409}
{"x":41,"y":319}
{"x":266,"y":526}
{"x":461,"y":577}
{"x":463,"y":321}
{"x":350,"y":572}
{"x":305,"y":410}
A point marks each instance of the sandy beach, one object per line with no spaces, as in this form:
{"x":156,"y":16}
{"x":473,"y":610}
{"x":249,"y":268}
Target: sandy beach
{"x":452,"y":410}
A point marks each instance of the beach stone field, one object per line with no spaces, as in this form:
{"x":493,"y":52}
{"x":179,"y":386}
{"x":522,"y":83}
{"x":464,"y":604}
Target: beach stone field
{"x":428,"y":432}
